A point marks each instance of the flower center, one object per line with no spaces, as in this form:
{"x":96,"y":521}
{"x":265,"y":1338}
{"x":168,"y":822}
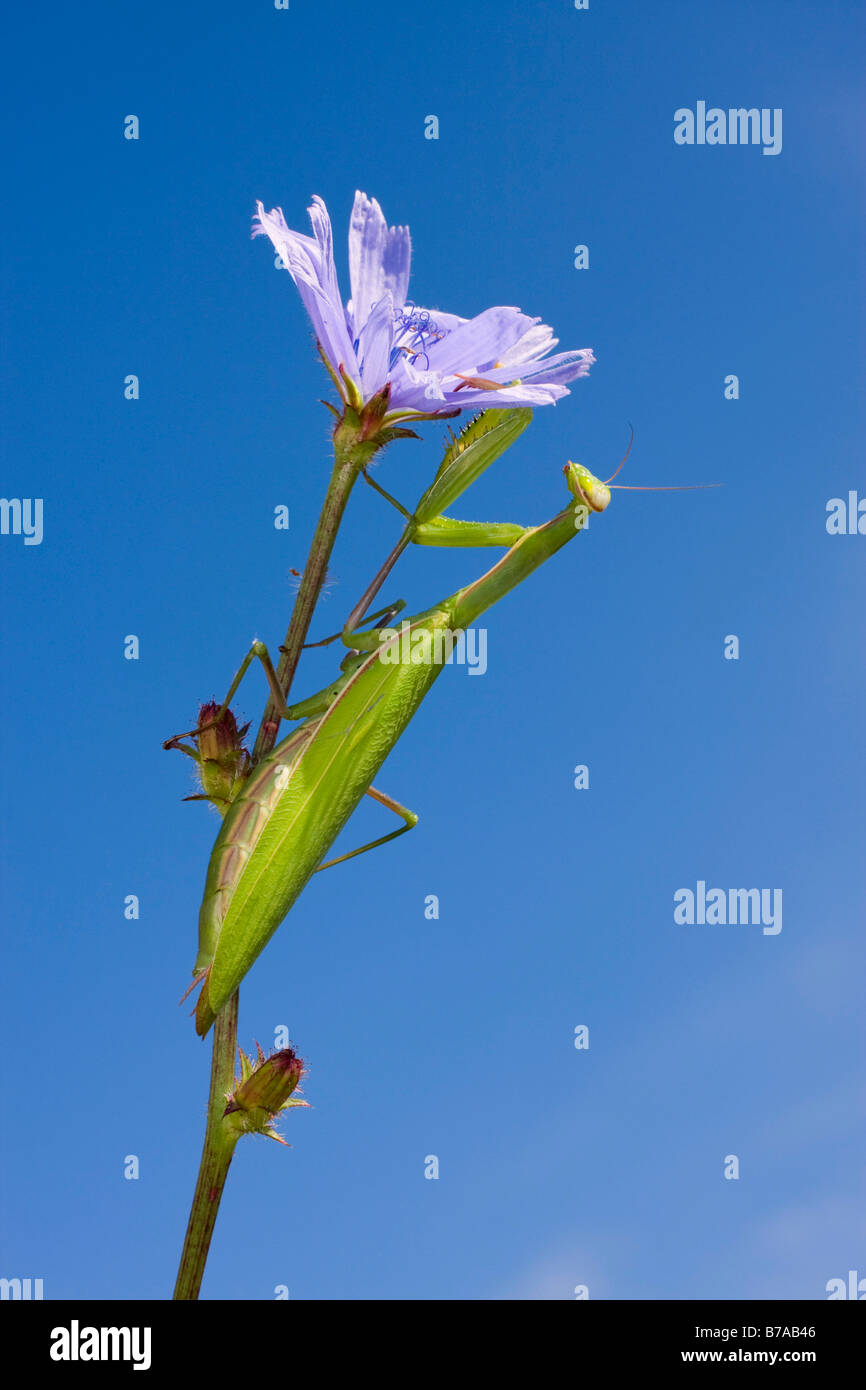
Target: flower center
{"x":415,"y":333}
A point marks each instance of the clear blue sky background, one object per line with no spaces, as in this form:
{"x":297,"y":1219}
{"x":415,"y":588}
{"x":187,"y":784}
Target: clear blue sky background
{"x":451,"y":1037}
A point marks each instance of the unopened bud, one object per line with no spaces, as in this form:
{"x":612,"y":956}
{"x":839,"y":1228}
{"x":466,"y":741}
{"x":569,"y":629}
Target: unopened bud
{"x":223,"y":760}
{"x":263,"y":1091}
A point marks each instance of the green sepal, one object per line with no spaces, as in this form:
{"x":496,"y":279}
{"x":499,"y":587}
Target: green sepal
{"x":391,"y":432}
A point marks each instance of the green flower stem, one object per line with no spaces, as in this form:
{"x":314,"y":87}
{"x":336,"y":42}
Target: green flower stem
{"x":351,"y":452}
{"x":219,"y":1147}
{"x":347,"y":465}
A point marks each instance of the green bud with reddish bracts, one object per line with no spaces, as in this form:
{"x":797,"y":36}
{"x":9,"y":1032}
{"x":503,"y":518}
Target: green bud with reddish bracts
{"x":223,"y":761}
{"x":262,"y":1090}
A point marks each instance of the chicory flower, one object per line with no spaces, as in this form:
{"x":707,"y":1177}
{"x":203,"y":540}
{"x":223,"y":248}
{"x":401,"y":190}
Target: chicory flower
{"x":430,"y":361}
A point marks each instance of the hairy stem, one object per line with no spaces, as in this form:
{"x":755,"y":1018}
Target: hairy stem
{"x":220,"y":1139}
{"x":219,"y":1146}
{"x":346,"y":468}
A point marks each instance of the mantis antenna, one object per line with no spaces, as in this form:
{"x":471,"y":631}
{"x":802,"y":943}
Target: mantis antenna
{"x":637,"y":487}
{"x":674,"y":487}
{"x":607,"y":481}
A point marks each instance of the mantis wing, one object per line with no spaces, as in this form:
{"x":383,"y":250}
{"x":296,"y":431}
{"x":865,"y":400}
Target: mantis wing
{"x":292,"y":809}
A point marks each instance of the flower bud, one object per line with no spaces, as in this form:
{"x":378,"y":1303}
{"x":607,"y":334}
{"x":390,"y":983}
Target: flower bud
{"x":262,"y":1091}
{"x":223,"y":760}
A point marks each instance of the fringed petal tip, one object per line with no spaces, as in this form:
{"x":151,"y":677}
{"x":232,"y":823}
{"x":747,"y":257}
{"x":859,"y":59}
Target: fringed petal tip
{"x":366,"y":206}
{"x":261,"y":219}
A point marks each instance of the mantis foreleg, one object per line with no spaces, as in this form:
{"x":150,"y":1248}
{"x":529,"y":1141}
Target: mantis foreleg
{"x":466,"y":457}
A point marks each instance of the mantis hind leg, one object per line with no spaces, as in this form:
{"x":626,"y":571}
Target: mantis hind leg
{"x":409,"y":817}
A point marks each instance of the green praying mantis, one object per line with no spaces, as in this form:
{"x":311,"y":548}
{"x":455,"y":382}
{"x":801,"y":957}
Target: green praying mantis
{"x":282,"y":815}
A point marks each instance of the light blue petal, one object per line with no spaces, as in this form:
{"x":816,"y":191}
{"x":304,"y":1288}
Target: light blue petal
{"x":533,"y":394}
{"x":565,"y":366}
{"x":374,"y":346}
{"x":310,"y":263}
{"x":379,"y":258}
{"x":480,"y":341}
{"x":331,"y":301}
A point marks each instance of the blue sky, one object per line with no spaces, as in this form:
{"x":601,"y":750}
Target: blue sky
{"x":454,"y":1037}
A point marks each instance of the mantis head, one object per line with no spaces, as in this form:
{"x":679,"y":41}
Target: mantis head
{"x":590,"y":492}
{"x":585,"y":487}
